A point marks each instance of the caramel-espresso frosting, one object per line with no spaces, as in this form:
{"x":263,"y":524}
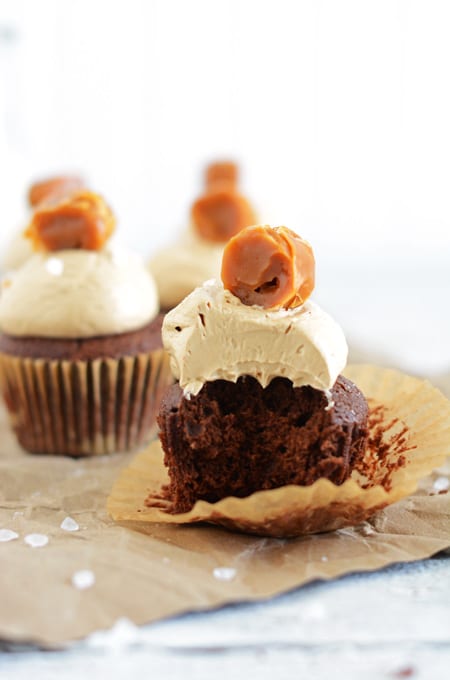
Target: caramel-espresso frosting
{"x":16,"y":252}
{"x":212,"y":335}
{"x":180,"y":268}
{"x":78,"y":294}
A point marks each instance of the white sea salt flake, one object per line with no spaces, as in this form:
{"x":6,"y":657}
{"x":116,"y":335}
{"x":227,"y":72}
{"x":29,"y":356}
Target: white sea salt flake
{"x":36,"y":540}
{"x":54,"y":266}
{"x":7,"y":535}
{"x":224,"y":573}
{"x":17,"y":514}
{"x":367,"y":530}
{"x":69,"y":524}
{"x":324,"y":558}
{"x":166,"y":560}
{"x":441,"y":484}
{"x":83,"y":579}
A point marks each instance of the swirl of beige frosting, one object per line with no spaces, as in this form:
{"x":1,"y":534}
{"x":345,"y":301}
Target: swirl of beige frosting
{"x":180,"y":268}
{"x":17,"y":251}
{"x":211,"y":335}
{"x":78,"y":294}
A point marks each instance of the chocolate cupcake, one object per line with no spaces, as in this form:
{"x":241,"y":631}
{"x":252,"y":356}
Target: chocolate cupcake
{"x":260,"y":402}
{"x":220,"y":213}
{"x":82,"y":366}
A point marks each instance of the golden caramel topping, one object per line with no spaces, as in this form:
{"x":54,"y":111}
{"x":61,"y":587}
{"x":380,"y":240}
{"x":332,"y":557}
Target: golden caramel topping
{"x":222,"y":173}
{"x":269,"y":267}
{"x":219,"y":215}
{"x":54,"y":188}
{"x":82,"y":221}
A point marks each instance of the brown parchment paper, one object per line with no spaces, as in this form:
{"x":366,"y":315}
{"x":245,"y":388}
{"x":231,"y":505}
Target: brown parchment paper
{"x":146,"y":573}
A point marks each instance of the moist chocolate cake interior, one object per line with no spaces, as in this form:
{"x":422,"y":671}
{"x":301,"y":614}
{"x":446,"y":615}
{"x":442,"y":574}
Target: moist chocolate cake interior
{"x":232,"y":439}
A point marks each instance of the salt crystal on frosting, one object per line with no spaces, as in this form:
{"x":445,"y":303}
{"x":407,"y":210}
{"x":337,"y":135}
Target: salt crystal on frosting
{"x":54,"y":266}
{"x":7,"y":535}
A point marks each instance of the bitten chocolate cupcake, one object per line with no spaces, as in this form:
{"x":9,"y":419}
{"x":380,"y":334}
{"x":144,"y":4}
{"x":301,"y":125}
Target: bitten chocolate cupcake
{"x":220,"y":213}
{"x":82,"y":366}
{"x":19,"y":249}
{"x":259,"y":402}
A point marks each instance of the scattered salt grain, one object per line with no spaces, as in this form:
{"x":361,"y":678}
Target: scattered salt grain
{"x":166,"y":560}
{"x":69,"y":524}
{"x":441,"y":484}
{"x":7,"y":535}
{"x":36,"y":540}
{"x":367,"y":530}
{"x":224,"y":573}
{"x":54,"y":266}
{"x":83,"y":579}
{"x":324,"y":558}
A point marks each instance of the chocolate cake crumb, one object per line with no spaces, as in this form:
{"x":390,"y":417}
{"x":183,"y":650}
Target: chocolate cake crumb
{"x":232,"y":439}
{"x":386,"y":448}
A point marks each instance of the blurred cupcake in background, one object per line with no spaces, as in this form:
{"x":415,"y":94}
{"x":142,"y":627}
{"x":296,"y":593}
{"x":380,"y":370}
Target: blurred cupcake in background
{"x":217,"y":215}
{"x":82,"y":367}
{"x":19,"y":248}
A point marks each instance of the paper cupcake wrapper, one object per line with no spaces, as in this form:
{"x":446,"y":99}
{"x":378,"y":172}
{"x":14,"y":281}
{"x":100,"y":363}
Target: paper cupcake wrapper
{"x":410,"y":419}
{"x":84,"y":408}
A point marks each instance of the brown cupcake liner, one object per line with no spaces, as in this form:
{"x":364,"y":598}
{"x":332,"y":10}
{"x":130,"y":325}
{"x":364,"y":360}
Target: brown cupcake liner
{"x":409,"y":437}
{"x":84,"y":408}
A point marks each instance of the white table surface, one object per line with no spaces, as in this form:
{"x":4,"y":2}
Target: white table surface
{"x":391,"y":624}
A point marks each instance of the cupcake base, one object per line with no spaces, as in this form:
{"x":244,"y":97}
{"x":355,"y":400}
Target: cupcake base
{"x":409,"y":436}
{"x":233,"y":439}
{"x":87,"y":396}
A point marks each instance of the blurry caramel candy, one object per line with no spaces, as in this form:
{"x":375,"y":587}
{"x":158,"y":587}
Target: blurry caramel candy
{"x":269,"y":267}
{"x":222,"y":173}
{"x":82,"y":221}
{"x":54,"y":188}
{"x":219,"y":215}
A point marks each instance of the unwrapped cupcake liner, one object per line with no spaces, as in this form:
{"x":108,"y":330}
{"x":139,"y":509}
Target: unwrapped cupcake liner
{"x":409,"y":437}
{"x":84,"y":408}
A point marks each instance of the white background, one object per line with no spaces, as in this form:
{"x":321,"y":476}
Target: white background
{"x":338,"y":110}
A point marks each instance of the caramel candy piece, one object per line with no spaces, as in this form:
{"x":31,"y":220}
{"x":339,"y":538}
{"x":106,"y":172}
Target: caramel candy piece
{"x":221,"y":173}
{"x":269,"y":267}
{"x":219,"y":215}
{"x":54,"y":188}
{"x":82,"y":221}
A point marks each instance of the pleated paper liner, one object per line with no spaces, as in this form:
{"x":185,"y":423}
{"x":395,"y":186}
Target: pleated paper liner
{"x":409,"y":437}
{"x":84,"y":408}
